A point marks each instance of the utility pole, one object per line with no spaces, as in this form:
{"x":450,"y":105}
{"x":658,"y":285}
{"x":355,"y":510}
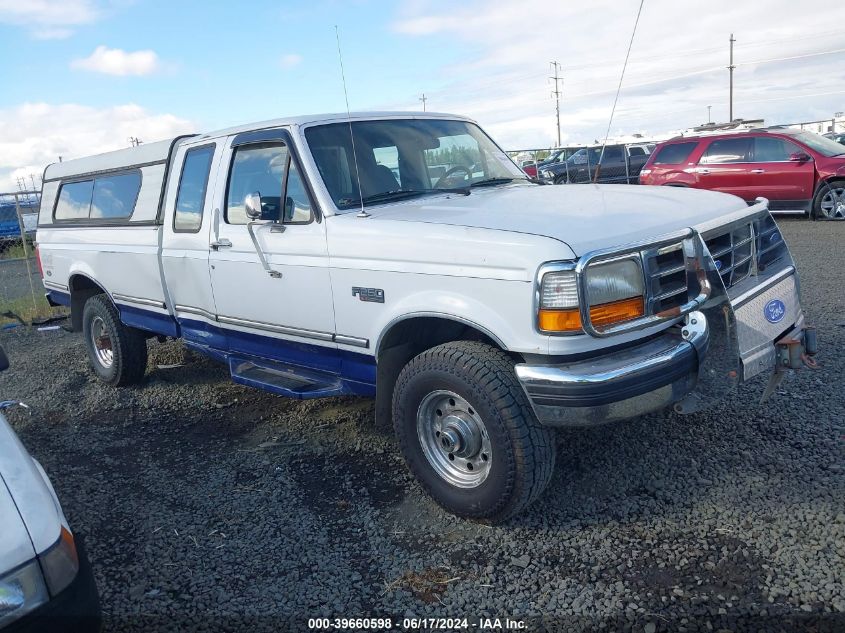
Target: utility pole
{"x":731,"y":69}
{"x":708,"y":113}
{"x":557,"y":92}
{"x":32,"y":178}
{"x":135,"y":141}
{"x":423,"y":98}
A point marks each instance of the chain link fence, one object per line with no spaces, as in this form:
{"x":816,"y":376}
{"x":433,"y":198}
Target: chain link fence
{"x":21,"y":292}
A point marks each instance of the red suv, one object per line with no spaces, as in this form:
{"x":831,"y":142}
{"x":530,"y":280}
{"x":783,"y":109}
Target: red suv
{"x":797,"y":171}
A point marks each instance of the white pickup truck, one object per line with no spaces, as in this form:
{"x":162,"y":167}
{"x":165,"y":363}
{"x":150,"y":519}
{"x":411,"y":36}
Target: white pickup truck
{"x":405,"y":256}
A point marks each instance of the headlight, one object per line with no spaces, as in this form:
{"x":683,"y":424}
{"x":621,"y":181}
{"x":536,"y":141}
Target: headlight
{"x":615,"y":292}
{"x":21,"y":592}
{"x":546,"y":174}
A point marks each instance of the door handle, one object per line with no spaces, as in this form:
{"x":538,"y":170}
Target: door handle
{"x":758,"y":171}
{"x":703,"y":172}
{"x":221,"y":243}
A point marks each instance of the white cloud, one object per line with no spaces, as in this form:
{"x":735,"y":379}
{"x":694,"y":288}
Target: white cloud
{"x":49,"y":19}
{"x":677,"y":65}
{"x":33,"y":135}
{"x":290,"y":60}
{"x":115,"y":61}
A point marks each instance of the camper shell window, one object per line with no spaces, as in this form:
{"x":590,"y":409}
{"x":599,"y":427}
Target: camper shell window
{"x":104,"y":198}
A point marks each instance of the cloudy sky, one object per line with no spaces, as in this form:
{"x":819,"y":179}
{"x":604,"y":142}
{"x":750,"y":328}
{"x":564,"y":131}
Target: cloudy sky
{"x":83,"y":76}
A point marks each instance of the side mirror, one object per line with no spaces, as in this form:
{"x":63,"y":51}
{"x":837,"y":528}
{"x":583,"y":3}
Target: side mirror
{"x":260,"y":207}
{"x":252,"y":205}
{"x":799,"y":157}
{"x":4,"y":360}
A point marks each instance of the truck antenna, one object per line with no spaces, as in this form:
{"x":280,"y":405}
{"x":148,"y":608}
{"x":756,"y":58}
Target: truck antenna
{"x":362,"y":213}
{"x":618,"y":90}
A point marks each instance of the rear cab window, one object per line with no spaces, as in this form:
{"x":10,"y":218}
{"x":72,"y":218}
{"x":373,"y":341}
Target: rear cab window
{"x":193,"y":183}
{"x":675,"y":153}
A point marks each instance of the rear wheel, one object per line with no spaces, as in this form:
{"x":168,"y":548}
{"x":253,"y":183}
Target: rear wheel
{"x":468,"y":432}
{"x":829,"y":203}
{"x":118,"y":353}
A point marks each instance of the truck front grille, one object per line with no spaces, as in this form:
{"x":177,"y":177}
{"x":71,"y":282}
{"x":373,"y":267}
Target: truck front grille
{"x":769,"y":244}
{"x":666,"y":276}
{"x":732,"y":252}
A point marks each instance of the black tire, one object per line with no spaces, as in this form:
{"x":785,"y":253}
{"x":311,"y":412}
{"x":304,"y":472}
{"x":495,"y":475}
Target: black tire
{"x":128,"y":346}
{"x":561,"y":180}
{"x":836,"y":186}
{"x":522,"y":451}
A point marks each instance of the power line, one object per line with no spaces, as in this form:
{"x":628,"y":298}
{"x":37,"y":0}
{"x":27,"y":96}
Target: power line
{"x":557,"y":92}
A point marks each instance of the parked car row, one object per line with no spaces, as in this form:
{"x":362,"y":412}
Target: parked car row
{"x":618,"y":163}
{"x":797,"y":171}
{"x":556,"y":156}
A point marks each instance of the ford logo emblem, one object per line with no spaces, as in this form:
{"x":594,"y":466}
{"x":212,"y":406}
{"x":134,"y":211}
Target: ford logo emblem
{"x":774,"y":311}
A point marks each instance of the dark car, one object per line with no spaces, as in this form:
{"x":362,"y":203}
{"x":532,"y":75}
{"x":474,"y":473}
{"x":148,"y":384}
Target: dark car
{"x":838,"y":137}
{"x":797,"y":171}
{"x":617,"y":164}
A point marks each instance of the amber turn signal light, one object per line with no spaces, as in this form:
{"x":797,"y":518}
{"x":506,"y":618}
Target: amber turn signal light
{"x":601,"y":315}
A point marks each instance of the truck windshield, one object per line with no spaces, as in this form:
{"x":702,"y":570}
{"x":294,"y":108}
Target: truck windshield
{"x":403,"y":158}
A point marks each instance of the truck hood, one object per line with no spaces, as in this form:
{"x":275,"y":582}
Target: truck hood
{"x":585,"y":217}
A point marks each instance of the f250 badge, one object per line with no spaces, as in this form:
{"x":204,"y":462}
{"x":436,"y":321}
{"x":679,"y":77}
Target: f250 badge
{"x":373,"y":295}
{"x":774,"y":311}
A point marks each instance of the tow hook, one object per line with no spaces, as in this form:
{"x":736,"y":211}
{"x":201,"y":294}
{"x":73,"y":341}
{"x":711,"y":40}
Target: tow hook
{"x":795,"y":352}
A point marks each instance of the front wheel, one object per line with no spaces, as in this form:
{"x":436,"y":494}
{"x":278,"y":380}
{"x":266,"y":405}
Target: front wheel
{"x":468,"y":433}
{"x":829,"y":203}
{"x":118,"y":353}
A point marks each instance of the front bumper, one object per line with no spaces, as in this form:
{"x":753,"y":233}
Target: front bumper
{"x":75,"y":610}
{"x":616,"y":386}
{"x":728,"y":337}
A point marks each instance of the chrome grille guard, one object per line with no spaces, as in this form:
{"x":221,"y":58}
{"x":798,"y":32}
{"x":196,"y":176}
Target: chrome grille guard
{"x":702,"y":276}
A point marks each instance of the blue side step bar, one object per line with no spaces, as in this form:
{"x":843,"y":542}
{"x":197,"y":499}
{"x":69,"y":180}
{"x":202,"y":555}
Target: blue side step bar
{"x":285,"y":380}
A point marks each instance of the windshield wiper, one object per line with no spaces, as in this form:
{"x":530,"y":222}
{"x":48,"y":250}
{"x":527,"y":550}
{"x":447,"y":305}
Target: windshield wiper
{"x":490,"y":182}
{"x":401,"y":194}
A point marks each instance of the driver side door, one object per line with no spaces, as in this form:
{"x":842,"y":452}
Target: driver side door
{"x":293,"y":301}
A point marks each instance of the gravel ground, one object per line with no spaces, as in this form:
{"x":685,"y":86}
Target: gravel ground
{"x":209,"y":505}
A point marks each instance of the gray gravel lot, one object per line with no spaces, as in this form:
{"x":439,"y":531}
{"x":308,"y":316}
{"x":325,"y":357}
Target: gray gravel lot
{"x":209,"y":505}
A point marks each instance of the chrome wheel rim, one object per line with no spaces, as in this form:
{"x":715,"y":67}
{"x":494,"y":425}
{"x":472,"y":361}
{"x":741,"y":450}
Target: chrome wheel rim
{"x":833,"y":203}
{"x":454,"y":439}
{"x":102,"y":342}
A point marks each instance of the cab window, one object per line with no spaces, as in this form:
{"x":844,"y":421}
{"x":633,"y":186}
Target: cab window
{"x":267,"y":169}
{"x":258,"y":168}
